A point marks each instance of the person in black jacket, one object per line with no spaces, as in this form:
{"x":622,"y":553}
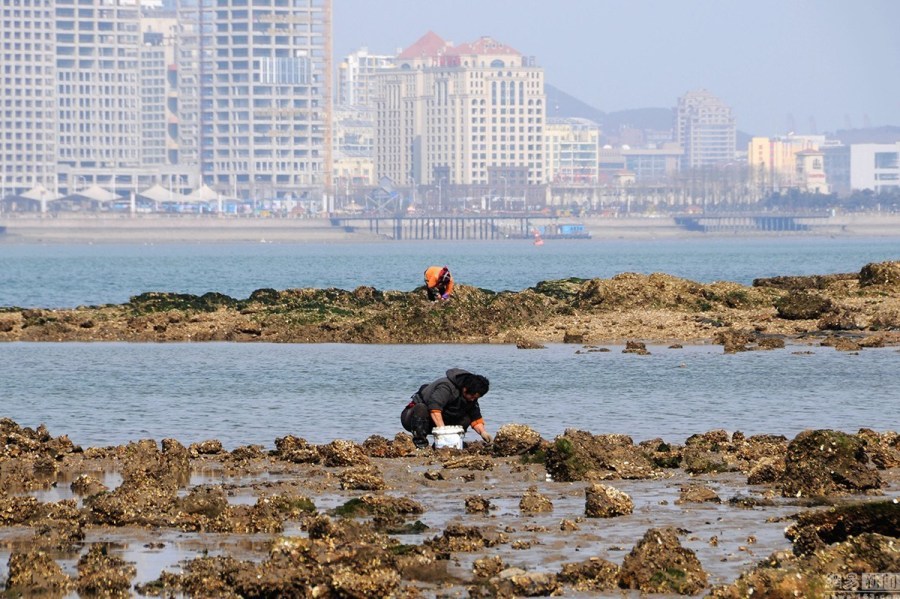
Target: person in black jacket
{"x":450,"y":400}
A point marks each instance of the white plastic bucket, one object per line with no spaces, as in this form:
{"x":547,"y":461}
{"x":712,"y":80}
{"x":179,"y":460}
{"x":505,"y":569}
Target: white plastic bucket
{"x":448,"y":436}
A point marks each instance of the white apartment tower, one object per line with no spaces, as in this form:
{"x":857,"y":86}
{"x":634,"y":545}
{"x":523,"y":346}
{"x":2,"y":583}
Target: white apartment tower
{"x":356,"y":84}
{"x":157,"y":91}
{"x":254,"y":76}
{"x":185,"y":130}
{"x":98,"y":87}
{"x":27,"y":105}
{"x":705,"y":128}
{"x":471,"y":114}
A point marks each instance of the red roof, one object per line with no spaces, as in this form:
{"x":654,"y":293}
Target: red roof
{"x":430,"y":44}
{"x":484,"y":45}
{"x":433,"y":46}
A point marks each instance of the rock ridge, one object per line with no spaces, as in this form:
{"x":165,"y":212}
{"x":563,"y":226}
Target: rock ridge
{"x":863,"y":307}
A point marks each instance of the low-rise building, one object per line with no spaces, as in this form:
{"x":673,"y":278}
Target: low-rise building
{"x":572,"y":151}
{"x":811,"y":172}
{"x":875,"y":166}
{"x":772,"y":161}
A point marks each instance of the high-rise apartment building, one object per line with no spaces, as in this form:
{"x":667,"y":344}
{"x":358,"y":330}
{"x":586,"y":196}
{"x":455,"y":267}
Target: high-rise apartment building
{"x":186,"y":71}
{"x":27,"y":104}
{"x":257,"y":74}
{"x":98,"y":89}
{"x":471,"y":114}
{"x":158,"y":93}
{"x":126,"y":93}
{"x":705,"y":128}
{"x":356,"y":77}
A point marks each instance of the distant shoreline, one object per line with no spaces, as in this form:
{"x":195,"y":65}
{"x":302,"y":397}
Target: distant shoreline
{"x":152,"y":229}
{"x":180,"y":228}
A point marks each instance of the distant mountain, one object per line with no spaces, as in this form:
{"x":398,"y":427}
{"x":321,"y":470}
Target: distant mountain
{"x":562,"y":105}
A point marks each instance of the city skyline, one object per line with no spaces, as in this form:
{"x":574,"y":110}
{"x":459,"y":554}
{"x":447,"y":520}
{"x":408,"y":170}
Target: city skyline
{"x":804,"y":66}
{"x":238,"y":99}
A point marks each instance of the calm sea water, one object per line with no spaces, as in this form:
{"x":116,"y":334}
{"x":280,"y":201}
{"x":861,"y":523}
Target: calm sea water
{"x":110,"y":393}
{"x":71,"y":275}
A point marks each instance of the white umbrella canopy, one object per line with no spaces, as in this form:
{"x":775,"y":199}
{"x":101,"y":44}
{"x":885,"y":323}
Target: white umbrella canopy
{"x":95,"y":193}
{"x":39,"y":192}
{"x":203,"y":194}
{"x":158,"y":193}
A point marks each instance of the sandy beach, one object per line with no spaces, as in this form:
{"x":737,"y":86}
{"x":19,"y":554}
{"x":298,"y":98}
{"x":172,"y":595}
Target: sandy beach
{"x":183,"y":228}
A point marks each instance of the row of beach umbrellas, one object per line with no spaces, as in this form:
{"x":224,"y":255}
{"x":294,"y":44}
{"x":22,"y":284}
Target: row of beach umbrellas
{"x":156,"y":193}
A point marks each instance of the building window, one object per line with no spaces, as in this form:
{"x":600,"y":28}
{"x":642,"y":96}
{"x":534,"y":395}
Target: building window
{"x":886,"y":159}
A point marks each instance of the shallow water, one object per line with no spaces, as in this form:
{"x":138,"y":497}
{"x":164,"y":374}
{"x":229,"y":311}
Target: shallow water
{"x":744,"y":535}
{"x":111,"y":393}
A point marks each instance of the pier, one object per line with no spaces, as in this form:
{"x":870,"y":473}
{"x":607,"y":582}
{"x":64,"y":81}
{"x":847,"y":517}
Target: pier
{"x":443,"y":227}
{"x":745,"y":222}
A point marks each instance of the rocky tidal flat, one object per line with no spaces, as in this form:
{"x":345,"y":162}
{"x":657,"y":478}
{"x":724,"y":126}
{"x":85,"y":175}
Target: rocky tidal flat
{"x":721,"y":515}
{"x":584,"y":514}
{"x":848,"y":311}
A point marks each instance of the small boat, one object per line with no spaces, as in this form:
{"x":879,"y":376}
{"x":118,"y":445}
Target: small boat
{"x":537,"y":237}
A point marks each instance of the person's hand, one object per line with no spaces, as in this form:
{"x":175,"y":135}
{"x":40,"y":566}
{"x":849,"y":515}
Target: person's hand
{"x":486,"y":436}
{"x":445,"y":296}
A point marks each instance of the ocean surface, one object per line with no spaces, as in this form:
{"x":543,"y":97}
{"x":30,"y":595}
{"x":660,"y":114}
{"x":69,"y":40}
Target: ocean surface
{"x":59,"y":275}
{"x":111,"y":393}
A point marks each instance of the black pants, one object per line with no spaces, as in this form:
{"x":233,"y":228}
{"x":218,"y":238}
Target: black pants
{"x":416,"y":416}
{"x":435,"y":293}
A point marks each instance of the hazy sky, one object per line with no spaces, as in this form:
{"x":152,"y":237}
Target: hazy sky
{"x":802,"y":64}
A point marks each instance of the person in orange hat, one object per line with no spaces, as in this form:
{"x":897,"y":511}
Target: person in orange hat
{"x":438,"y":282}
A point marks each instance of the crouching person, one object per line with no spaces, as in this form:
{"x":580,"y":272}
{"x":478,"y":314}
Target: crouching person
{"x":448,"y":401}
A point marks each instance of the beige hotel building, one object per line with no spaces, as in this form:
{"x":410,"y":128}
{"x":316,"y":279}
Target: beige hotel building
{"x":471,"y":114}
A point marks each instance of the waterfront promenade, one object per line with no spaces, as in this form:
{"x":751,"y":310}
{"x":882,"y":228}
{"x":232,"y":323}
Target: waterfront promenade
{"x":106,"y":228}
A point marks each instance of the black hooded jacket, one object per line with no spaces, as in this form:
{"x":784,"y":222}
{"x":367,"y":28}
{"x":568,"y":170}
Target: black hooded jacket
{"x":445,"y":395}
